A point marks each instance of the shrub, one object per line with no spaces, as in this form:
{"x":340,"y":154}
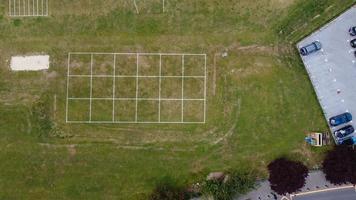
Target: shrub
{"x":167,"y":189}
{"x":236,"y":183}
{"x":286,"y":176}
{"x":339,"y":165}
{"x":17,"y":22}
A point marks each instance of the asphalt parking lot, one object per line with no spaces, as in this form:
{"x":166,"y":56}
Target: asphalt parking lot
{"x":332,"y":70}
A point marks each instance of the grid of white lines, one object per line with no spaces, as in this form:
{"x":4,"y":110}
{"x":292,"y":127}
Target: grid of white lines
{"x":28,"y":8}
{"x":137,"y":76}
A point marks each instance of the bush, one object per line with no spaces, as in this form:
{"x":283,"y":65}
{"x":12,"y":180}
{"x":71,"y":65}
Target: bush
{"x":167,"y":189}
{"x":339,"y":165}
{"x":236,"y":183}
{"x":286,"y":176}
{"x":17,"y":22}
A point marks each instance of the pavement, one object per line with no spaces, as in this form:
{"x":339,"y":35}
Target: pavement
{"x":337,"y":194}
{"x":315,"y":187}
{"x":332,"y":70}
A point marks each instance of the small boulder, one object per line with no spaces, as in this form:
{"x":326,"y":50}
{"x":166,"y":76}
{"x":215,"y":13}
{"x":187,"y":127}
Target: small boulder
{"x":216,"y":176}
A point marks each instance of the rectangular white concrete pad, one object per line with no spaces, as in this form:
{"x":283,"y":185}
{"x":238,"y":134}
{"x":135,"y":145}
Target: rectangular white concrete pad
{"x":29,"y":63}
{"x":332,"y":70}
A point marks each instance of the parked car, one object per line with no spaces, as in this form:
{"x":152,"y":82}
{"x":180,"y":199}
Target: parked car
{"x":343,"y":132}
{"x":340,"y":119}
{"x":348,"y":141}
{"x":353,"y":43}
{"x":352,"y":31}
{"x":310,"y":48}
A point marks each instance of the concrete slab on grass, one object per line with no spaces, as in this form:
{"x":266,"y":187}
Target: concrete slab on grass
{"x":29,"y":63}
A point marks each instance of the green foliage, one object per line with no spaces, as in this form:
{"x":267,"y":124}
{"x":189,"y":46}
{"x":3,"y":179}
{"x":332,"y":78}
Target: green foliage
{"x":17,"y":22}
{"x":237,"y":183}
{"x":168,"y":189}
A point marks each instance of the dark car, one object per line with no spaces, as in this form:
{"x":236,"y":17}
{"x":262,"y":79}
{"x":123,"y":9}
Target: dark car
{"x":343,"y":132}
{"x":352,"y":31}
{"x":353,"y":43}
{"x":340,"y":119}
{"x":310,"y":48}
{"x":348,"y":142}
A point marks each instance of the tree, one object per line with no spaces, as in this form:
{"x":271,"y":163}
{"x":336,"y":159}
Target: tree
{"x":286,"y":176}
{"x":339,"y":165}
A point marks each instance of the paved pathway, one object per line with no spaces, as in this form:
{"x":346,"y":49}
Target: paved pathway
{"x":314,"y":182}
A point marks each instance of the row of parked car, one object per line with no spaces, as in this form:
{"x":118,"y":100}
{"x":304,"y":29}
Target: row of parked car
{"x":316,"y":45}
{"x":345,"y":132}
{"x":352,"y":32}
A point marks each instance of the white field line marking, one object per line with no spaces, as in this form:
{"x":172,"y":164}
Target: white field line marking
{"x":159,"y":88}
{"x":113,"y":91}
{"x":23,"y":8}
{"x":163,"y":5}
{"x":91,"y":85}
{"x":182,"y":102}
{"x":132,"y":122}
{"x":10,"y":7}
{"x":323,"y":190}
{"x":141,"y":54}
{"x":134,"y":1}
{"x":136,"y":98}
{"x":205,"y":82}
{"x":67,"y":88}
{"x":133,"y":99}
{"x":137,"y":60}
{"x":133,"y":76}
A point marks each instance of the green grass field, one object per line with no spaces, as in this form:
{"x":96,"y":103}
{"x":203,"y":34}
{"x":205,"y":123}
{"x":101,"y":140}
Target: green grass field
{"x":260,"y":102}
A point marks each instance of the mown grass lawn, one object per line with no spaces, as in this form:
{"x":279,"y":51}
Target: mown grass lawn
{"x":260,"y":101}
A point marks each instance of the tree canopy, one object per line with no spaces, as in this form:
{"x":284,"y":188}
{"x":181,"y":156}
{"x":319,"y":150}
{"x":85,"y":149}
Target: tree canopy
{"x":286,"y":176}
{"x":339,"y":165}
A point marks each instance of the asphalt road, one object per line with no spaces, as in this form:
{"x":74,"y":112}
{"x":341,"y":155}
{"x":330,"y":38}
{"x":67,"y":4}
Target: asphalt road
{"x":340,"y":194}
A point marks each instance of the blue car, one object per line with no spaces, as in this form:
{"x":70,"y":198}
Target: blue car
{"x":344,"y":132}
{"x":340,"y":119}
{"x":310,"y":48}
